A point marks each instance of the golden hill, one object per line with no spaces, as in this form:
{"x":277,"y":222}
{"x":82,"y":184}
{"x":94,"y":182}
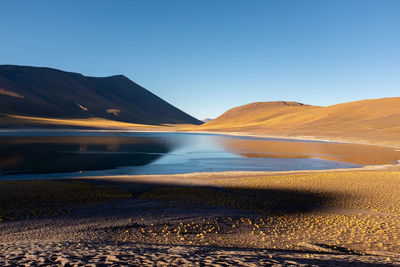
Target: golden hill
{"x":368,"y":121}
{"x":255,"y":113}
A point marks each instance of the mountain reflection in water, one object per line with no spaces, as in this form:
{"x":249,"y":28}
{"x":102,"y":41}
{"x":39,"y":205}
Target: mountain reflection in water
{"x":44,"y":154}
{"x":41,"y":154}
{"x":342,"y":152}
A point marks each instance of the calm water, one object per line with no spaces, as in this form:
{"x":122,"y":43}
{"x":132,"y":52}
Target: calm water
{"x":38,"y":154}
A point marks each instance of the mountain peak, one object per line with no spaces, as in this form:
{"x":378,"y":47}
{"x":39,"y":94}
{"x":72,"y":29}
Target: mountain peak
{"x":48,"y":92}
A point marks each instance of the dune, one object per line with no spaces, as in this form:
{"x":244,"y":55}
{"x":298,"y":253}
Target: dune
{"x":368,"y":121}
{"x":255,"y":113}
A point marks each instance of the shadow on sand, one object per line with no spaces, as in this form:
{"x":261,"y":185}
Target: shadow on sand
{"x":261,"y":201}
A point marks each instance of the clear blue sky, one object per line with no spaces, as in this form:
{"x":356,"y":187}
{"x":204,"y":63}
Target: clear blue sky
{"x":206,"y":56}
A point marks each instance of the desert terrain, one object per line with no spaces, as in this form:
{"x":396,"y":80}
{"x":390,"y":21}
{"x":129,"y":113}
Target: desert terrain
{"x":374,"y":121}
{"x":322,"y":218}
{"x":330,"y":218}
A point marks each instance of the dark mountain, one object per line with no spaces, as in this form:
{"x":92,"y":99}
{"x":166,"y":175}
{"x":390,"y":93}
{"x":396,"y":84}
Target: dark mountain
{"x":46,"y":92}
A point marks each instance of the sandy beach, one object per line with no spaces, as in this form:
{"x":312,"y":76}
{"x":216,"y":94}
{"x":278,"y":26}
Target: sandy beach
{"x":321,"y":218}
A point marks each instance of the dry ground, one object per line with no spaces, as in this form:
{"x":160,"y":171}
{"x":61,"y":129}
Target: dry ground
{"x":317,"y":218}
{"x":374,"y":121}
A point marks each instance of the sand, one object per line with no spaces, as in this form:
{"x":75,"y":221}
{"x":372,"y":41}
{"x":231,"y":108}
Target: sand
{"x":92,"y":238}
{"x":181,"y":228}
{"x":374,"y":121}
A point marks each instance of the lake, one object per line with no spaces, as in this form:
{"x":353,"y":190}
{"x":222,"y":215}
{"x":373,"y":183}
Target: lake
{"x":44,"y":154}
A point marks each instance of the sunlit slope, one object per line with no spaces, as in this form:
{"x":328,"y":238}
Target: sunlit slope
{"x":372,"y":121}
{"x":86,"y":123}
{"x":255,"y":114}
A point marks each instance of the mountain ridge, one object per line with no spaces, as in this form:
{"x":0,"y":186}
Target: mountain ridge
{"x":255,"y":112}
{"x":48,"y":92}
{"x":366,"y":121}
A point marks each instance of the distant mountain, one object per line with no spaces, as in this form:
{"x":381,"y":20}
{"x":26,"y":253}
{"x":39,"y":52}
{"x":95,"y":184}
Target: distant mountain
{"x":255,"y":113}
{"x":46,"y":92}
{"x":370,"y":121}
{"x":206,"y":120}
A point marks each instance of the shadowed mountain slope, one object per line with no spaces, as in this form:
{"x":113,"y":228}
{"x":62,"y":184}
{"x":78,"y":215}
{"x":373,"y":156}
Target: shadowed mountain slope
{"x":46,"y":92}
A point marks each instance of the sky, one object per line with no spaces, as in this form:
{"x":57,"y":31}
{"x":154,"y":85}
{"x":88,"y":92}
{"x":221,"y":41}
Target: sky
{"x":207,"y":56}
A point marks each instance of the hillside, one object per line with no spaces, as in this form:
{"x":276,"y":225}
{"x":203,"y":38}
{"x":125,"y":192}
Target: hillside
{"x":369,"y":121}
{"x":51,"y":93}
{"x":255,"y":113}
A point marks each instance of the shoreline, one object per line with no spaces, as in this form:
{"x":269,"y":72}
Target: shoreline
{"x":230,"y":220}
{"x":202,"y":178}
{"x":299,"y":138}
{"x":208,"y":178}
{"x":213,"y":217}
{"x":199,"y":177}
{"x":234,"y":134}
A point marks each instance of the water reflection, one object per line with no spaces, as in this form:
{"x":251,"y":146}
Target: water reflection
{"x":44,"y":154}
{"x":351,"y":153}
{"x":26,"y":155}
